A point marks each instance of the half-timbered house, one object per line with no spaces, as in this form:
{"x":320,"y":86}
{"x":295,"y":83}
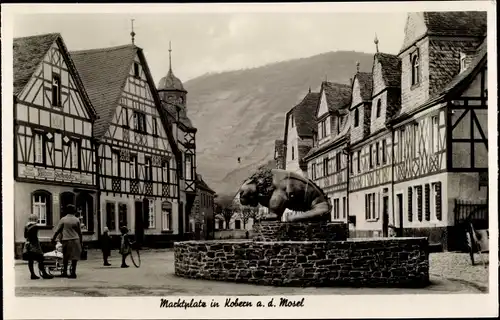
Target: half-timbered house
{"x":327,"y":160}
{"x":137,"y":154}
{"x":440,"y":134}
{"x":202,"y":216}
{"x":299,"y":128}
{"x":370,"y":183}
{"x":54,"y":156}
{"x":173,"y":97}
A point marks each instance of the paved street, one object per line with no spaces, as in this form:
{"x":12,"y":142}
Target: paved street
{"x":156,"y":277}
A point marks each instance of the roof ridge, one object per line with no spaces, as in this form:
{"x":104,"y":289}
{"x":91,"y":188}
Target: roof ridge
{"x":39,"y":35}
{"x":106,"y":49}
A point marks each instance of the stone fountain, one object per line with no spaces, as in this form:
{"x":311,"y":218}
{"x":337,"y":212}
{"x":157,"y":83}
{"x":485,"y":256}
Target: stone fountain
{"x":309,"y":250}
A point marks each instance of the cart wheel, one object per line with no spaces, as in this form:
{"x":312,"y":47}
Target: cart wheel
{"x":49,"y":270}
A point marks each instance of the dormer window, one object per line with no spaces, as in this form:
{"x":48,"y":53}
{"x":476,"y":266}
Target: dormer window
{"x":415,"y":68}
{"x":291,"y":120}
{"x":379,"y":107}
{"x":56,"y":90}
{"x":356,"y":117}
{"x":339,"y":123}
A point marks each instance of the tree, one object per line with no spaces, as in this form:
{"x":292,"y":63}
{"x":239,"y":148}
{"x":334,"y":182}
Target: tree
{"x":247,"y":213}
{"x":224,"y":209}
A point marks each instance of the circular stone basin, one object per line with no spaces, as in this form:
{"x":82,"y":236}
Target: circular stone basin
{"x":353,"y":262}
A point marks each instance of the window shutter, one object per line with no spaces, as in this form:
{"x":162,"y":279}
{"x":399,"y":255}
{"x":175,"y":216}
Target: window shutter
{"x":427,"y":203}
{"x":419,"y":203}
{"x":367,"y":206}
{"x":438,"y":201}
{"x":410,"y":204}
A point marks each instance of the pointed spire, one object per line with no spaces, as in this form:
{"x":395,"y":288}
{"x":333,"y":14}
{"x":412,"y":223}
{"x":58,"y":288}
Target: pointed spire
{"x":170,"y":56}
{"x":132,"y":34}
{"x":376,"y":41}
{"x":357,"y":66}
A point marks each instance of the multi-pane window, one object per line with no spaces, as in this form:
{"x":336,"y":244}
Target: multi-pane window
{"x":140,"y":122}
{"x":75,"y":155}
{"x":110,"y":216}
{"x":370,"y":213}
{"x":323,"y":128}
{"x":435,"y":135}
{"x":166,"y":171}
{"x":377,"y":154}
{"x":56,"y":90}
{"x":313,"y":171}
{"x":125,"y":115}
{"x":166,"y":218}
{"x":415,"y":68}
{"x":40,"y":206}
{"x":39,"y":146}
{"x":133,"y":167}
{"x":352,"y":162}
{"x":336,"y":209}
{"x":402,"y":144}
{"x":189,"y":166}
{"x":151,"y":213}
{"x":115,"y":164}
{"x":122,"y":214}
{"x":325,"y":167}
{"x":148,"y":170}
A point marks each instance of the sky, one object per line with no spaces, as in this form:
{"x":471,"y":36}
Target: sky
{"x":216,"y":42}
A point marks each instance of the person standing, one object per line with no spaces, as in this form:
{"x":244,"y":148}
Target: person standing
{"x":125,"y":248}
{"x":70,"y":229}
{"x":32,"y":250}
{"x":106,"y":246}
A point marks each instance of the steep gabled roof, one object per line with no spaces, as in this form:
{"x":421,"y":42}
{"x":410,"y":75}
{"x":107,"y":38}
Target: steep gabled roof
{"x":456,"y":23}
{"x":28,"y":54}
{"x":200,"y":183}
{"x":104,"y":73}
{"x":337,"y":95}
{"x":391,"y":69}
{"x":304,"y":114}
{"x":365,"y":80}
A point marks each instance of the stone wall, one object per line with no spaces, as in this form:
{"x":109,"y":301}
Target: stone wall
{"x":355,"y":262}
{"x":303,"y":231}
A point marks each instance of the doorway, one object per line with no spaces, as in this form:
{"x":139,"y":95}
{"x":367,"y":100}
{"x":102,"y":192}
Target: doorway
{"x":385,"y":216}
{"x":400,"y":214}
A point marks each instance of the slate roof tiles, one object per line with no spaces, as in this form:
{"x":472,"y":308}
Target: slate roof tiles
{"x":337,"y":95}
{"x":104,"y":72}
{"x":304,"y":114}
{"x":391,"y":69}
{"x":456,"y":23}
{"x":365,"y":80}
{"x":28,"y":53}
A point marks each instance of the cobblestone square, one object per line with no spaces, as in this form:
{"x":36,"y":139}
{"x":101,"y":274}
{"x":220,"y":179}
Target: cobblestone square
{"x":450,"y":273}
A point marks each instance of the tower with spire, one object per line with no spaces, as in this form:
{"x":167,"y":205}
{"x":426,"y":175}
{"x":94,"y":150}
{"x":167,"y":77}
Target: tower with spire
{"x":170,"y":88}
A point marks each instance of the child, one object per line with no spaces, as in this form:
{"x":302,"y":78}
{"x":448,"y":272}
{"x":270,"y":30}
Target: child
{"x":125,"y":249}
{"x":57,"y":253}
{"x":32,"y":250}
{"x":106,"y":246}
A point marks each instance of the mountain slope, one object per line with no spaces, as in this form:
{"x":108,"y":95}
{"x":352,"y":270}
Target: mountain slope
{"x":241,"y":113}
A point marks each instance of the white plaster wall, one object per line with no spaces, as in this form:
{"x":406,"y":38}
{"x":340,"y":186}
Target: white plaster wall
{"x":357,"y":208}
{"x":23,"y":208}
